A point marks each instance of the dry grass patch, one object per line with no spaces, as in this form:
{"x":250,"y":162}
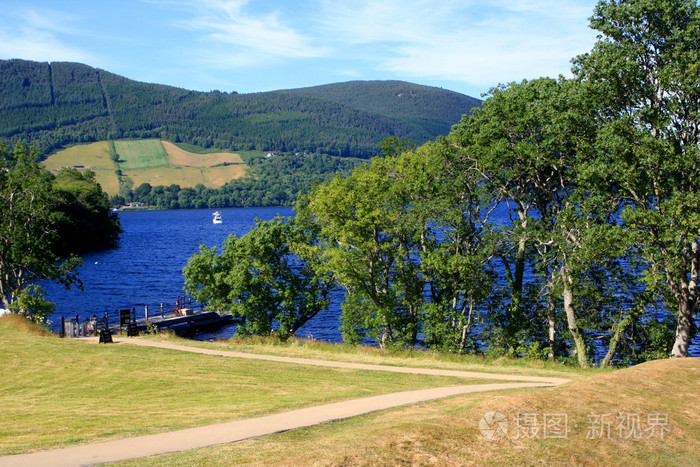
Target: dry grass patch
{"x":212,"y":177}
{"x":312,"y":349}
{"x":179,"y":156}
{"x":93,"y":156}
{"x":446,"y":432}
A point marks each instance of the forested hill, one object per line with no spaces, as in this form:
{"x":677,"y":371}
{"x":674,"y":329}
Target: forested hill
{"x":51,"y":105}
{"x":432,"y":108}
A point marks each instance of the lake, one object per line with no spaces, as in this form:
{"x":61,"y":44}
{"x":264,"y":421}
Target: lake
{"x":146,"y":268}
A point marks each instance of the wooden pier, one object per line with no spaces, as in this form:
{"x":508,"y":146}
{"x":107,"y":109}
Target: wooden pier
{"x":185,"y":316}
{"x":194,"y":320}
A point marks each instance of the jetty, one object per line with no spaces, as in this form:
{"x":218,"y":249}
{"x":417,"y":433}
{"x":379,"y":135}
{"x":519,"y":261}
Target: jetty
{"x":183,"y":317}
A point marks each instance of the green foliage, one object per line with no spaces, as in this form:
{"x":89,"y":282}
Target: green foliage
{"x":31,"y":303}
{"x":57,"y":104}
{"x":273,"y":181}
{"x":28,"y":232}
{"x":644,"y":73}
{"x":393,"y":146}
{"x":257,"y":277}
{"x":84,"y":221}
{"x":394,"y":229}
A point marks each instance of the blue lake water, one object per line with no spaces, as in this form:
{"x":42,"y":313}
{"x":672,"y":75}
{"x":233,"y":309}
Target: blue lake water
{"x":146,"y":268}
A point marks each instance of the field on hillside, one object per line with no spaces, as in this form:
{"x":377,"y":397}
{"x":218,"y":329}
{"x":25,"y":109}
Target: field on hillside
{"x":141,"y":154}
{"x":93,"y":156}
{"x":150,"y":161}
{"x":211,"y":177}
{"x":179,"y":156}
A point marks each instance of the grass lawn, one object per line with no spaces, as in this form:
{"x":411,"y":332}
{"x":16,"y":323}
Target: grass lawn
{"x":311,"y":349}
{"x":57,"y":392}
{"x":447,"y":432}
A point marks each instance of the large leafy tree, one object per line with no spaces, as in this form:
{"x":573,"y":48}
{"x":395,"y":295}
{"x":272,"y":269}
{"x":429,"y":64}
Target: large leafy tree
{"x":368,"y":242}
{"x":533,"y":143}
{"x":458,"y":247}
{"x":259,"y":278}
{"x":28,"y":234}
{"x":646,"y":69}
{"x":404,"y":236}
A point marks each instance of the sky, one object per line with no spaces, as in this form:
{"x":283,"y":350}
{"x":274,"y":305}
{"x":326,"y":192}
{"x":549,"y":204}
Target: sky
{"x":467,"y":46}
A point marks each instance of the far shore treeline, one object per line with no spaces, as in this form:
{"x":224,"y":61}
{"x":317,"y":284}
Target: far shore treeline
{"x":600,"y":175}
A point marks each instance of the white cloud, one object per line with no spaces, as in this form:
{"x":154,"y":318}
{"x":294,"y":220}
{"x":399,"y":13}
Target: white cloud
{"x":34,"y":34}
{"x":463,"y":40}
{"x":236,"y":35}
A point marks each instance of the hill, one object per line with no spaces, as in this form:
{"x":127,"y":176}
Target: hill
{"x":53,"y":105}
{"x":434,"y":109}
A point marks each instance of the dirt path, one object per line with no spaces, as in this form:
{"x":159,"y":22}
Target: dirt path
{"x":222,"y":433}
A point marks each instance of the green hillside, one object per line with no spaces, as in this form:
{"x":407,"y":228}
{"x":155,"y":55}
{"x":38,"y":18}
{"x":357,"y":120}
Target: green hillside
{"x":431,"y":108}
{"x":53,"y":105}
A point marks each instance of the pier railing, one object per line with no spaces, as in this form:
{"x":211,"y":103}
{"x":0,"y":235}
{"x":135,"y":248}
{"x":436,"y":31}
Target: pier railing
{"x":120,"y":319}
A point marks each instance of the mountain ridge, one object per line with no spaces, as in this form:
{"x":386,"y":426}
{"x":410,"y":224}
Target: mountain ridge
{"x":53,"y":105}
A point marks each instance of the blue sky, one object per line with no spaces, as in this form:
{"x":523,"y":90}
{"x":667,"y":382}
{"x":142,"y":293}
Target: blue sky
{"x":246,"y":46}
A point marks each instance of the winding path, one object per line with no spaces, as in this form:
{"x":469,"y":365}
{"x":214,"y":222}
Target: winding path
{"x":222,"y":433}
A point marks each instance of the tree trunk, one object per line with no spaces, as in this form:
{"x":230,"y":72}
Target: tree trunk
{"x":571,"y":319}
{"x":612,"y":348}
{"x":683,"y":330}
{"x":551,"y":310}
{"x":515,"y":313}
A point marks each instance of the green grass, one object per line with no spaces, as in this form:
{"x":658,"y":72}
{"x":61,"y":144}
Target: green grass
{"x":307,"y":348}
{"x":141,"y":154}
{"x":446,"y":432}
{"x":56,"y":392}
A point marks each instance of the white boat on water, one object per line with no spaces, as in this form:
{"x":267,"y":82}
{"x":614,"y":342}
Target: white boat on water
{"x":217,"y":218}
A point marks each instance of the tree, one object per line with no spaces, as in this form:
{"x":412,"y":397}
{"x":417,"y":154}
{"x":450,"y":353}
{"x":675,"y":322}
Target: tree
{"x":368,"y":243}
{"x":533,"y":143}
{"x":646,"y":70}
{"x":394,"y":146}
{"x":28,"y":234}
{"x":457,"y":247}
{"x":84,"y":221}
{"x":259,"y":278}
{"x":403,"y":236}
